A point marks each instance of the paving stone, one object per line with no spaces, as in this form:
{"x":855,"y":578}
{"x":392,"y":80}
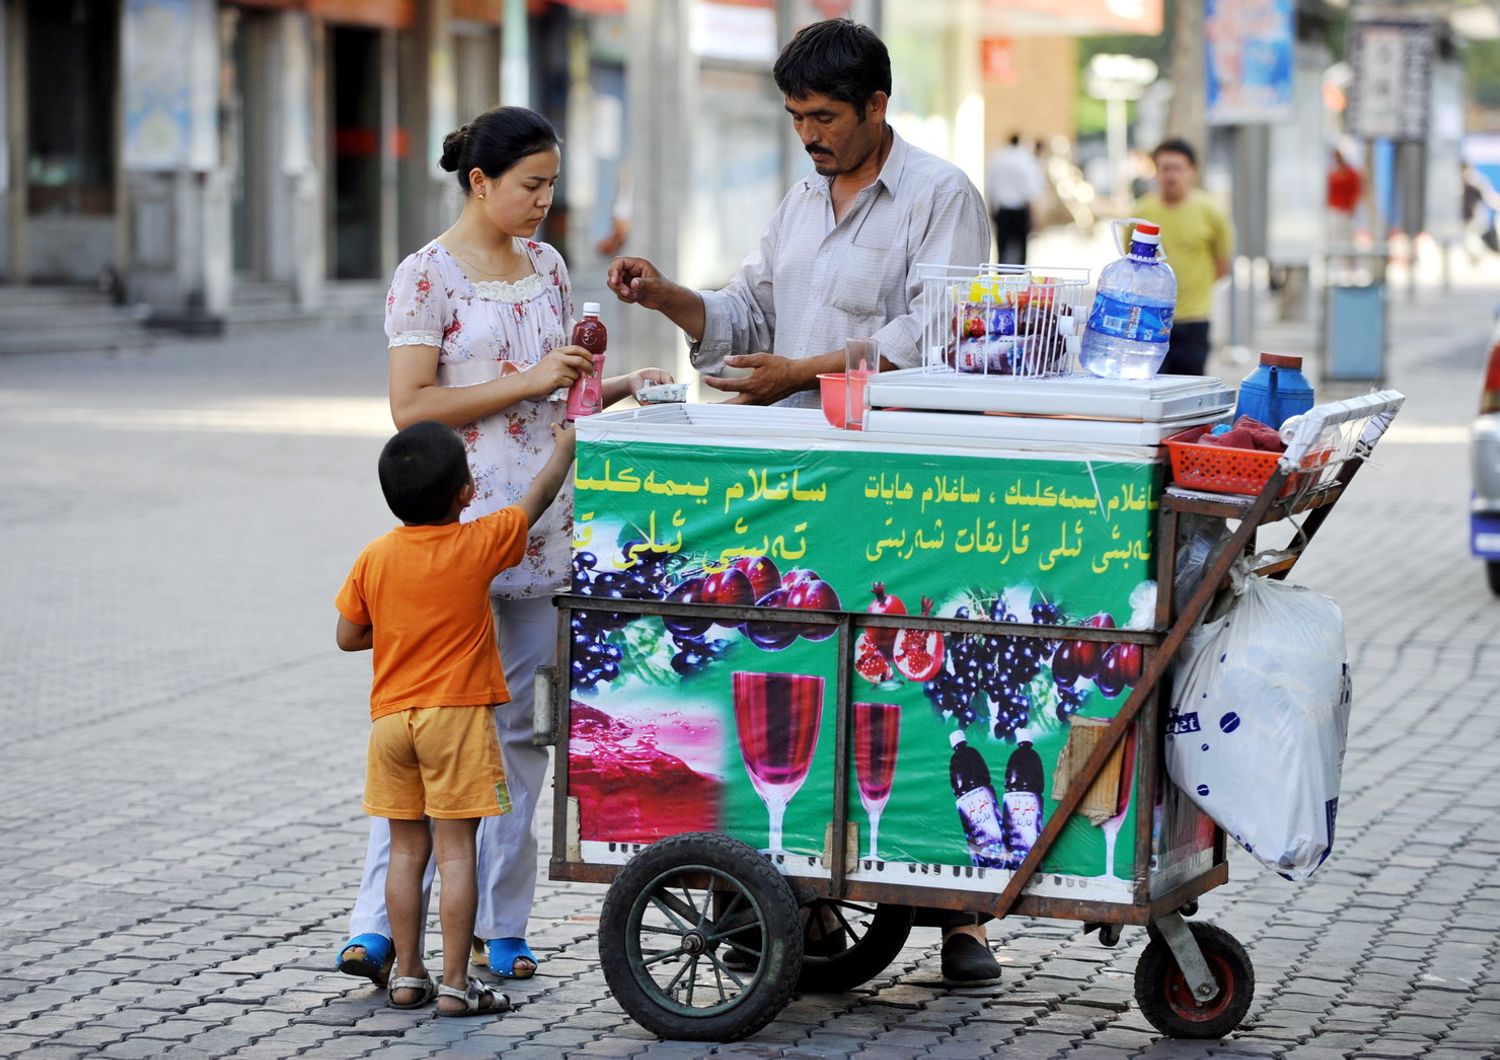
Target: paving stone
{"x":134,"y":933}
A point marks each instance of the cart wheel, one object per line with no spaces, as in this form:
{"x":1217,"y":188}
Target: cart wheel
{"x":1492,"y":572}
{"x":1109,"y":935}
{"x":670,"y":917}
{"x":1167,"y":1002}
{"x":1189,"y":907}
{"x":873,"y":935}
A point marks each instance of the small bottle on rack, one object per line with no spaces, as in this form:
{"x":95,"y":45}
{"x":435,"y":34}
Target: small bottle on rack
{"x":586,"y":395}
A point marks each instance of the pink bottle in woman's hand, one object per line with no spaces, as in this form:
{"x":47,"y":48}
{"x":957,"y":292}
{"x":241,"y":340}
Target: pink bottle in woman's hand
{"x":586,"y":395}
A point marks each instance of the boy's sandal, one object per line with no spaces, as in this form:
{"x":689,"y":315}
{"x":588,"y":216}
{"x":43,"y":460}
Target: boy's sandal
{"x":478,"y":999}
{"x":374,"y":961}
{"x":507,"y":958}
{"x":425,"y":984}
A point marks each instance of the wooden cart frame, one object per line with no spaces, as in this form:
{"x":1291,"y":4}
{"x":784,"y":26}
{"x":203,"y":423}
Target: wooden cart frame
{"x":1341,"y":435}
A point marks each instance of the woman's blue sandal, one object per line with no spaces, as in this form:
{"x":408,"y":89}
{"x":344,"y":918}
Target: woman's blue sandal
{"x":374,"y":963}
{"x":503,"y":955}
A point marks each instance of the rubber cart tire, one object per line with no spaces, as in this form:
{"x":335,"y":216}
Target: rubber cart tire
{"x":1492,"y":572}
{"x":1168,"y":1004}
{"x":873,"y":936}
{"x":669,"y":918}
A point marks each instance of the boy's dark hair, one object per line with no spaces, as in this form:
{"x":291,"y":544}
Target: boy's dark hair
{"x":1177,"y":147}
{"x":495,"y":141}
{"x":838,"y":58}
{"x":422,"y":470}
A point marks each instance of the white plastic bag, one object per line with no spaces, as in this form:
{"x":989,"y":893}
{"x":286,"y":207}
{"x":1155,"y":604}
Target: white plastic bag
{"x":1260,"y":718}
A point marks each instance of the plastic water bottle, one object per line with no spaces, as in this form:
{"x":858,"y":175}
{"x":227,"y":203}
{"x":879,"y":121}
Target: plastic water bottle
{"x":1128,"y":327}
{"x":1275,"y":391}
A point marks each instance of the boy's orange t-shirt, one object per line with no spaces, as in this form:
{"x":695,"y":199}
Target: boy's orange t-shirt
{"x":425,"y":591}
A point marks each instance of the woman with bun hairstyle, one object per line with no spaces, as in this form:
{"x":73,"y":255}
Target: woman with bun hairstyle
{"x":478,"y":323}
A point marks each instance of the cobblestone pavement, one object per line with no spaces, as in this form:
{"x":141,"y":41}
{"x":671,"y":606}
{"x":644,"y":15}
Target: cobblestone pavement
{"x":184,"y":748}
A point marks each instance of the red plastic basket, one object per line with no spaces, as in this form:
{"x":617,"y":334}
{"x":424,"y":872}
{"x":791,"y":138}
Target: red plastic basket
{"x":1219,"y":469}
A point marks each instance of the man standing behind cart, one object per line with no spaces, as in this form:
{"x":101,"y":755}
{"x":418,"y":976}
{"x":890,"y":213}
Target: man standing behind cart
{"x":1197,"y":239}
{"x":837,"y":261}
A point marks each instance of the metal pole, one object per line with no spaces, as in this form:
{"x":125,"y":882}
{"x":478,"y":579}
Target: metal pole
{"x":515,"y":64}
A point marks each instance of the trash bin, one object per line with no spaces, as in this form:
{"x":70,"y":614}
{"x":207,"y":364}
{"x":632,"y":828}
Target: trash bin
{"x":1354,"y":320}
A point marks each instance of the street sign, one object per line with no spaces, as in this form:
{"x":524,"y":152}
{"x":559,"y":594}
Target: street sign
{"x":1248,"y":61}
{"x":1392,"y":61}
{"x":1123,"y":77}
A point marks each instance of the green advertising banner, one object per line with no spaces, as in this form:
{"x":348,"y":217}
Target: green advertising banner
{"x":959,"y":741}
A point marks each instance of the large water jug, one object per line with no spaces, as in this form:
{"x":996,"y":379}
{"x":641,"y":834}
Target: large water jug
{"x":1128,"y":327}
{"x":1275,"y":391}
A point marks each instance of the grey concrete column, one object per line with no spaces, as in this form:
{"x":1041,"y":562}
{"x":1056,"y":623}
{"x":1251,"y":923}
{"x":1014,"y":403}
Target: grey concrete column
{"x":303,"y":137}
{"x":515,"y":50}
{"x":427,"y":109}
{"x":660,"y":92}
{"x":14,"y":14}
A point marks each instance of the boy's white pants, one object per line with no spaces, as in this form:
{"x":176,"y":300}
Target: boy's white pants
{"x":507,"y":849}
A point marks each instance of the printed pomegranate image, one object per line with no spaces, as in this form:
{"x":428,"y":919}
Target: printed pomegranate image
{"x":918,"y":654}
{"x":869,"y":661}
{"x":884,"y":604}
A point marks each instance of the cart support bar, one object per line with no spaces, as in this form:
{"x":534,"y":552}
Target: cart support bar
{"x":1189,"y":957}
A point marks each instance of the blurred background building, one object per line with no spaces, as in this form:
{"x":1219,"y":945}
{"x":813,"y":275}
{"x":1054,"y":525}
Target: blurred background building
{"x":197,"y":163}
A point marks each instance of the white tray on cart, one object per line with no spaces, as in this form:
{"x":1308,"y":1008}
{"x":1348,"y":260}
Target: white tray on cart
{"x":1047,"y":430}
{"x":1173,"y":398}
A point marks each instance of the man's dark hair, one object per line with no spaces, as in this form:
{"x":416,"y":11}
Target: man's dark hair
{"x":838,"y":58}
{"x":422,"y":470}
{"x":1015,"y":139}
{"x":1177,"y":147}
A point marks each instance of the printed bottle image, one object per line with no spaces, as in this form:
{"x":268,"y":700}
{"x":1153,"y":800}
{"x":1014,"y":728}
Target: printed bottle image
{"x":978,"y":809}
{"x":586,"y":395}
{"x":1021,"y":806}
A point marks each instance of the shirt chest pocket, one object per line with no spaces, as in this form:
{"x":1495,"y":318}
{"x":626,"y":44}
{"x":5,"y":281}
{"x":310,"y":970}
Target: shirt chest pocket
{"x":872,"y":267}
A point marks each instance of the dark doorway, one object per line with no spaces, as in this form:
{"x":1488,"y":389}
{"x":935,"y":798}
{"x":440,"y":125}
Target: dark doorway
{"x":354,"y":71}
{"x":71,"y":85}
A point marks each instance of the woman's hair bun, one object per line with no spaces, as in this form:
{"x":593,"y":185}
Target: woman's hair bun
{"x":453,"y":148}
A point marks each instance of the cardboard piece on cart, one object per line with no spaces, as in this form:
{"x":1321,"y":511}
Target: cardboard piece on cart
{"x":1102,"y":799}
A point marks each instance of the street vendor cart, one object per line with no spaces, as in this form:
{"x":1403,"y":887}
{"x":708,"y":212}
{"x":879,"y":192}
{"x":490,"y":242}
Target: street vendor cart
{"x":810,"y":679}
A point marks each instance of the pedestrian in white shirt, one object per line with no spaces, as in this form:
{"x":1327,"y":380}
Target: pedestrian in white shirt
{"x":839,"y":257}
{"x":1013,"y":181}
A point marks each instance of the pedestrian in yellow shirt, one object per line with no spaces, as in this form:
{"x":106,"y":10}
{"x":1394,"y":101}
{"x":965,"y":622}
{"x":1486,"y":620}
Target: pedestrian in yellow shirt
{"x":1197,"y":239}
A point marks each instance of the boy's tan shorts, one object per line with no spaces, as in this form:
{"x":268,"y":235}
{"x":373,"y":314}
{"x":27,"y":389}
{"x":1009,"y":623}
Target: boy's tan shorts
{"x":435,"y":762}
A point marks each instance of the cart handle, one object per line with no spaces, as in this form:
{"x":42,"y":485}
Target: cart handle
{"x":1303,"y":433}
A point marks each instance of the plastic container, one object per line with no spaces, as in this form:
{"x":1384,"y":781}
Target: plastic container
{"x":837,"y":396}
{"x":1220,"y":469}
{"x":1131,"y":320}
{"x":586,"y":395}
{"x":1275,"y":391}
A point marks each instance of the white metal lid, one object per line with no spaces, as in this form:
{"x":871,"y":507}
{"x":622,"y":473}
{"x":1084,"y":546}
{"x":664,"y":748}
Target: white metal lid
{"x":591,"y":309}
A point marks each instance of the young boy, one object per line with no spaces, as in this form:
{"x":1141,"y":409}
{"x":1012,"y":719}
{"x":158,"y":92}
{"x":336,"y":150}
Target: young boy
{"x":419,"y":596}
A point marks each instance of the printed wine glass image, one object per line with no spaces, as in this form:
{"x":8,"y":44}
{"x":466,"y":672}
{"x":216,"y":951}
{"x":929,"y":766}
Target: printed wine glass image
{"x":777,"y":716}
{"x":877,"y":727}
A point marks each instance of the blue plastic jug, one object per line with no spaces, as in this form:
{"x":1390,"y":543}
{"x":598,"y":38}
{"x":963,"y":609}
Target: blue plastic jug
{"x":1275,"y":391}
